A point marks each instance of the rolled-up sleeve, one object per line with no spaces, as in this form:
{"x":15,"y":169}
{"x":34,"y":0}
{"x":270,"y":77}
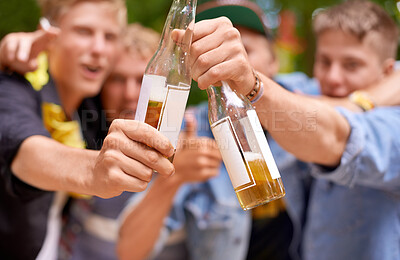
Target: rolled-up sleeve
{"x":372,"y":154}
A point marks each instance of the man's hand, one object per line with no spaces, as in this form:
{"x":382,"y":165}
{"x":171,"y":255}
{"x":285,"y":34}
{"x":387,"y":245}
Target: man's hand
{"x":130,"y":153}
{"x":198,"y":158}
{"x":217,"y":54}
{"x":18,"y":51}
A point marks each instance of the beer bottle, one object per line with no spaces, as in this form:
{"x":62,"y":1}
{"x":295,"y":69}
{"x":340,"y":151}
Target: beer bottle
{"x":167,"y":79}
{"x":244,"y":147}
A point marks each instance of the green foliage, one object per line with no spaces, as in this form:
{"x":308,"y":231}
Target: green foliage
{"x":23,"y":15}
{"x":151,"y":13}
{"x":18,"y":15}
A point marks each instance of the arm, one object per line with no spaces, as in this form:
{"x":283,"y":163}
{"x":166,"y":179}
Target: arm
{"x":226,"y":59}
{"x":302,"y":125}
{"x":125,"y":162}
{"x":385,"y":93}
{"x":197,"y":161}
{"x":372,"y":152}
{"x":18,"y":51}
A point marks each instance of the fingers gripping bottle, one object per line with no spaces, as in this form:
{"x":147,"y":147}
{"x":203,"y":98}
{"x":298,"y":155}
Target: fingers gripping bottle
{"x":244,"y":147}
{"x":166,"y":82}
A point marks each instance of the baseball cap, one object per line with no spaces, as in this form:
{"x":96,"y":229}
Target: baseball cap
{"x":241,"y":12}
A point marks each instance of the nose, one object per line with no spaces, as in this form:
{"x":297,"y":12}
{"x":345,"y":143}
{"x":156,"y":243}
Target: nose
{"x":334,"y":75}
{"x":99,"y":43}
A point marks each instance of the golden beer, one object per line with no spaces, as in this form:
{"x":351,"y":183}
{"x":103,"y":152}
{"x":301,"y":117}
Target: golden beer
{"x":265,"y":189}
{"x":153,"y":113}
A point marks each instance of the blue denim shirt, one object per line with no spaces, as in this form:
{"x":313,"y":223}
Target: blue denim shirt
{"x":351,"y":212}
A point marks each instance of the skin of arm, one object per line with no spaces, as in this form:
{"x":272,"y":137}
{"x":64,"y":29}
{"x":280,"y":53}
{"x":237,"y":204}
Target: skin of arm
{"x":306,"y":127}
{"x":197,"y":161}
{"x":125,"y":162}
{"x":283,"y":113}
{"x":141,"y":228}
{"x":385,"y":93}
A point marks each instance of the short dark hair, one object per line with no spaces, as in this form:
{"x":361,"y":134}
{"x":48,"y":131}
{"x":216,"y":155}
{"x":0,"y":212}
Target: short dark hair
{"x":361,"y":18}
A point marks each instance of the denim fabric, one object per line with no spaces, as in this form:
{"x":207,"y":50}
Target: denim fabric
{"x":351,"y":212}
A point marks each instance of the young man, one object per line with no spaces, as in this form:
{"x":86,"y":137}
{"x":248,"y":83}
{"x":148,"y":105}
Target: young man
{"x":80,"y":56}
{"x":348,"y":203}
{"x":97,"y":218}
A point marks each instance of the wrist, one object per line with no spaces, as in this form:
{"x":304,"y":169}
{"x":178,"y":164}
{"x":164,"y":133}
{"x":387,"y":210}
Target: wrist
{"x":257,"y":91}
{"x":362,"y":100}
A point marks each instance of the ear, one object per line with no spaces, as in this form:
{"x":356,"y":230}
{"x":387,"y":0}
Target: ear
{"x":388,"y":66}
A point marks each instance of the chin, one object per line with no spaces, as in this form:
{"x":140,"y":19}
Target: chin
{"x":91,"y":91}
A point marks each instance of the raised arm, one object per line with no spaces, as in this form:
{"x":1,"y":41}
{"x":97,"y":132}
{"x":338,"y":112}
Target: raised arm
{"x":306,"y":127}
{"x":18,"y":51}
{"x":384,"y":93}
{"x":218,"y":54}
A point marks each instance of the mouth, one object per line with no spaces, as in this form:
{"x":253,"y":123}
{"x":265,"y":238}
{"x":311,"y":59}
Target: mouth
{"x":92,"y":71}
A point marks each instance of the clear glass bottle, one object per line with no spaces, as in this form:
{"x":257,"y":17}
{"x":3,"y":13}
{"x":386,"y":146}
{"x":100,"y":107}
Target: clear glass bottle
{"x":167,"y":79}
{"x":244,"y":147}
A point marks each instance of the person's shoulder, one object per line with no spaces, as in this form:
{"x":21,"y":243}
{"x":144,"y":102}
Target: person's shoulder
{"x":17,"y":93}
{"x":15,"y":82}
{"x":298,"y":82}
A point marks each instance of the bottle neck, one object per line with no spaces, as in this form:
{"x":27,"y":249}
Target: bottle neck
{"x":181,"y":16}
{"x":171,"y":58}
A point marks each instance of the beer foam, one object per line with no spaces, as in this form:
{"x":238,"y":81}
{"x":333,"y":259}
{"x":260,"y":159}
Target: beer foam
{"x":251,"y":156}
{"x":158,"y":89}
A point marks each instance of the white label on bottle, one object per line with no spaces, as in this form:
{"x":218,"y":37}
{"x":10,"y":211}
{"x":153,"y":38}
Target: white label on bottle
{"x":232,"y":154}
{"x":153,"y":87}
{"x":173,"y":110}
{"x":263,"y":143}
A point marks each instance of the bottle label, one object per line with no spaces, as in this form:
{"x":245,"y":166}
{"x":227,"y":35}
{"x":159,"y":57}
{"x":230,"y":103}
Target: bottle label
{"x":153,"y":88}
{"x":232,"y":154}
{"x":262,"y":142}
{"x":162,"y":106}
{"x":173,"y":110}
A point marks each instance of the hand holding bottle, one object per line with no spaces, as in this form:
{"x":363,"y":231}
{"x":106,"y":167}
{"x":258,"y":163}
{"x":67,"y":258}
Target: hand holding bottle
{"x":197,"y":158}
{"x":217,"y":54}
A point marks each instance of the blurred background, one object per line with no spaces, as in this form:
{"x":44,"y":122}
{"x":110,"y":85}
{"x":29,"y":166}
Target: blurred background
{"x":290,"y":21}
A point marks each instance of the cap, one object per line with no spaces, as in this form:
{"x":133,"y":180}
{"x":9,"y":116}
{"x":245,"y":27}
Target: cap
{"x":241,"y":12}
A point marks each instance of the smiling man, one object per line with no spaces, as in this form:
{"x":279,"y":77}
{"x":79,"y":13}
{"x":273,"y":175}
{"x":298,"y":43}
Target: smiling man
{"x":39,"y":135}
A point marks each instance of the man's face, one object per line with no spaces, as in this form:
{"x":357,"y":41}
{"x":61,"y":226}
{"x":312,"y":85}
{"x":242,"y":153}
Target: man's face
{"x":259,"y":52}
{"x":120,"y":92}
{"x":82,"y":55}
{"x":343,"y":64}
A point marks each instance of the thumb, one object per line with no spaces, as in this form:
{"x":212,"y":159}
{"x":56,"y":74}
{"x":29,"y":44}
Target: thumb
{"x":190,"y":125}
{"x":177,"y":35}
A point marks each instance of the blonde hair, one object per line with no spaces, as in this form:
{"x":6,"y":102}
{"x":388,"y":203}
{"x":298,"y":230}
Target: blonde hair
{"x":139,"y":40}
{"x":361,"y":19}
{"x":53,"y":9}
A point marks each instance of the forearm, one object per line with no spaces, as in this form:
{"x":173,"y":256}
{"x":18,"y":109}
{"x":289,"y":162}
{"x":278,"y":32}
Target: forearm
{"x":308,"y":128}
{"x":141,"y":228}
{"x":385,"y":93}
{"x":49,"y":165}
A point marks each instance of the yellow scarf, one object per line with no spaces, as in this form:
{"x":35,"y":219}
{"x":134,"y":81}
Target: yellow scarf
{"x":54,"y":118}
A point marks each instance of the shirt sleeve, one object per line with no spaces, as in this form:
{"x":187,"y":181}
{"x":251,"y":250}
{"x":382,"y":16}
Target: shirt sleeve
{"x":371,"y":157}
{"x":20,"y":117}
